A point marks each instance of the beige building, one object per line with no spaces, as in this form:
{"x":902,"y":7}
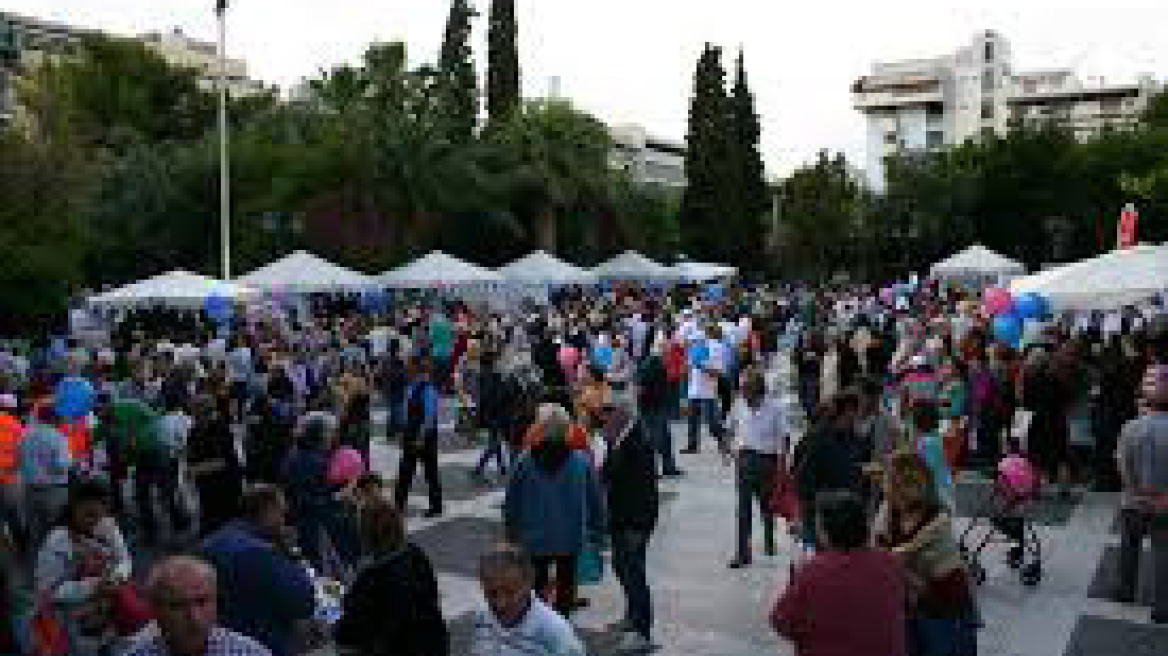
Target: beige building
{"x":25,"y":42}
{"x":650,"y":160}
{"x":922,"y":104}
{"x":178,"y":49}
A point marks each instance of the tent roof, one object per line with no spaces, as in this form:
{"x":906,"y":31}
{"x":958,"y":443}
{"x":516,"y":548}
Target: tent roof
{"x":703,"y":271}
{"x":437,"y":269}
{"x":544,"y":268}
{"x":303,"y":272}
{"x":975,"y":260}
{"x":631,"y":265}
{"x":181,"y":289}
{"x":1106,"y":282}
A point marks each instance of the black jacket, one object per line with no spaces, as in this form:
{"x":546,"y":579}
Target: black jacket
{"x":393,"y":609}
{"x":630,"y":482}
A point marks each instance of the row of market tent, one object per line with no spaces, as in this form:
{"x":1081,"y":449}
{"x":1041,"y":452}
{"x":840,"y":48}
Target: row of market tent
{"x":304,"y":273}
{"x":1122,"y":277}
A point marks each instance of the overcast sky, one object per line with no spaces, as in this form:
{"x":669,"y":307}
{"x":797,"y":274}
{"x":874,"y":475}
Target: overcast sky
{"x":632,"y":60}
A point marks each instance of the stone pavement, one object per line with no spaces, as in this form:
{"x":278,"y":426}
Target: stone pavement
{"x":704,"y":608}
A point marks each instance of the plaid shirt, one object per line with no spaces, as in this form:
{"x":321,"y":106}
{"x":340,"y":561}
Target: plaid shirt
{"x":221,"y":643}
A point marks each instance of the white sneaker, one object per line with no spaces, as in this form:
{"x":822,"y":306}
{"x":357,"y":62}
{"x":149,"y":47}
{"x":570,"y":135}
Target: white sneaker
{"x":632,"y":642}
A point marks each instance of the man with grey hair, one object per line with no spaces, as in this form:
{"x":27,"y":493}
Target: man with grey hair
{"x":183,"y":593}
{"x":515,"y":622}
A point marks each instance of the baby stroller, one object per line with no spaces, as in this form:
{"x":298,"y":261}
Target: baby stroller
{"x":1005,"y":520}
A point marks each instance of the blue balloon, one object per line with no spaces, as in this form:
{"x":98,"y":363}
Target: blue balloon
{"x":715,"y":292}
{"x":73,"y":397}
{"x":1030,"y":306}
{"x":218,"y":308}
{"x":1008,"y":329}
{"x":602,"y":357}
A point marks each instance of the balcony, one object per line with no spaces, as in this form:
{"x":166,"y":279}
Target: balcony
{"x":891,"y":97}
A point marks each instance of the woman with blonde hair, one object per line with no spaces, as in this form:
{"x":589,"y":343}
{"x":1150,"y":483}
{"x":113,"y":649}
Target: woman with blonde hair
{"x":393,"y":606}
{"x":917,"y":526}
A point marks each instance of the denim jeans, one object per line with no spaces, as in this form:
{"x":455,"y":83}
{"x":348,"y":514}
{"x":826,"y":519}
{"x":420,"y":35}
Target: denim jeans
{"x":704,"y":410}
{"x":496,"y":450}
{"x":656,"y":423}
{"x":629,"y":551}
{"x":942,"y":637}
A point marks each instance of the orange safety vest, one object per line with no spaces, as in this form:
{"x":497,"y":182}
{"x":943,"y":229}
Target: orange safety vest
{"x":11,"y":433}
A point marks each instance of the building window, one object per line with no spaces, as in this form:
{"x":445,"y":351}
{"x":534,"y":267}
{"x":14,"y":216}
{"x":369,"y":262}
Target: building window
{"x":1110,"y":105}
{"x":987,"y":111}
{"x":989,"y":51}
{"x":987,"y":81}
{"x":890,"y":138}
{"x":987,"y":133}
{"x":934,"y":139}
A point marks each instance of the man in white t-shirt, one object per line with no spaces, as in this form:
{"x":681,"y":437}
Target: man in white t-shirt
{"x":515,"y":621}
{"x":707,"y":364}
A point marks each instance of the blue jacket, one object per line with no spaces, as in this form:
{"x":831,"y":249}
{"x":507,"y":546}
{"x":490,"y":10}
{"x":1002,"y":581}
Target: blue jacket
{"x":429,"y":400}
{"x":554,"y":514}
{"x":262,"y":592}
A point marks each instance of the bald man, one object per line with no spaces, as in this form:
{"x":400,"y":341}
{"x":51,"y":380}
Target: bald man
{"x":183,"y":593}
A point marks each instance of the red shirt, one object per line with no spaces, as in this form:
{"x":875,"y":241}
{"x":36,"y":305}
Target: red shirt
{"x":845,"y":604}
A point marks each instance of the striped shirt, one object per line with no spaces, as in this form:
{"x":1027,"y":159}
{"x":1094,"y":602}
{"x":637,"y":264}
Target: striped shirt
{"x":1148,"y":386}
{"x":220,"y":643}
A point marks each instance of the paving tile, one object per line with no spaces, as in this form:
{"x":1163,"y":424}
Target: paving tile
{"x":1098,"y":636}
{"x":455,"y":545}
{"x":1107,"y":577}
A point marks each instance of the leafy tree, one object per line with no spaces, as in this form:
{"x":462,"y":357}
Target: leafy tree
{"x":708,"y":151}
{"x":503,"y":86}
{"x":458,"y":79}
{"x":120,"y":89}
{"x":44,"y":184}
{"x":751,"y":195}
{"x":558,"y":157}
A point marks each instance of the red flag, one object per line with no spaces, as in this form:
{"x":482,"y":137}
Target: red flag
{"x":1128,"y":225}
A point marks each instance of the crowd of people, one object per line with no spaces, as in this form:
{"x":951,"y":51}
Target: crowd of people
{"x":235,"y":460}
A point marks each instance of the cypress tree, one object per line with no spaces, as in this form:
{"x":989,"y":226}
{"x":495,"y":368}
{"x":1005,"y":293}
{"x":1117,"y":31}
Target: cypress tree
{"x":751,"y":197}
{"x":708,"y":142}
{"x":503,"y":92}
{"x":457,"y":76}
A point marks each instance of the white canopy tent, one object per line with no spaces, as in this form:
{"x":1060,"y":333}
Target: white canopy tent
{"x":178,"y":289}
{"x":542,"y":268}
{"x":437,"y":270}
{"x":1106,"y":282}
{"x":304,"y":273}
{"x":633,"y":266}
{"x":977,"y":260}
{"x":703,"y":271}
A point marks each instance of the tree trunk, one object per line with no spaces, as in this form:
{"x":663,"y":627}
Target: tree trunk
{"x":546,"y":230}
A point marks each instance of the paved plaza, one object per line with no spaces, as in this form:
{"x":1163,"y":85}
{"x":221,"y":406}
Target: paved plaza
{"x":702,"y":607}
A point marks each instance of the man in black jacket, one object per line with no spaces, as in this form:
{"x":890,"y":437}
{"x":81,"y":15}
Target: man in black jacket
{"x":630,"y":481}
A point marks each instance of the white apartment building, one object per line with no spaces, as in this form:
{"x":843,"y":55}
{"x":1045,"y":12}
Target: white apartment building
{"x":917,"y":105}
{"x":649,"y":159}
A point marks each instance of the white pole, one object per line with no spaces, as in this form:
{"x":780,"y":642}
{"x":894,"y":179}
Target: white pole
{"x":224,"y":154}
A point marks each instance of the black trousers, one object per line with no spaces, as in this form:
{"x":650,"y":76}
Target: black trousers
{"x":424,"y":450}
{"x":565,"y":580}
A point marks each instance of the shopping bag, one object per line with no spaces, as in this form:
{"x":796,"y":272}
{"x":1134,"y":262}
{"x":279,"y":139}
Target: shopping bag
{"x":784,"y":501}
{"x":590,"y":565}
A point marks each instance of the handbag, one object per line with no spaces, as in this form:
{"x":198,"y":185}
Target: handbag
{"x":784,"y":500}
{"x":129,"y":610}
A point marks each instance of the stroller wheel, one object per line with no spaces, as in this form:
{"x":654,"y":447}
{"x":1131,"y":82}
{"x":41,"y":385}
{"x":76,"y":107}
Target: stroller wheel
{"x":1031,"y":574}
{"x":1014,"y":557}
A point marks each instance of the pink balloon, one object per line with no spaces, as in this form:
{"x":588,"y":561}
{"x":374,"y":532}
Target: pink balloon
{"x":346,"y":467}
{"x":569,"y":357}
{"x":998,"y":301}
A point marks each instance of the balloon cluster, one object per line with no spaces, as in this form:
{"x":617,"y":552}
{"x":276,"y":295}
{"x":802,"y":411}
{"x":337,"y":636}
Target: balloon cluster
{"x":1010,"y":313}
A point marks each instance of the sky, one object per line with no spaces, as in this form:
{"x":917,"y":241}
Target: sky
{"x":631,"y":61}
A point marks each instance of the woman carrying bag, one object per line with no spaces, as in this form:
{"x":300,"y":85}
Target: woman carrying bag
{"x":82,"y":577}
